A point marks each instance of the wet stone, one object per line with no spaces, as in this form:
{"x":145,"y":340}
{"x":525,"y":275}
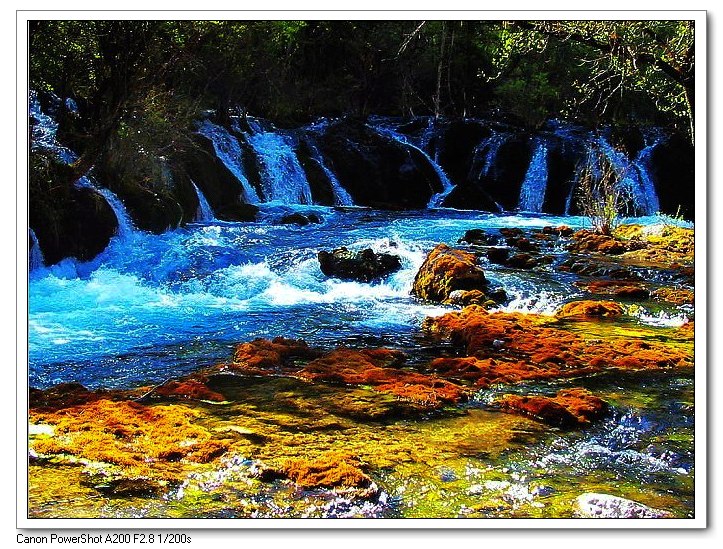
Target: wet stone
{"x":593,"y":505}
{"x":364,"y":266}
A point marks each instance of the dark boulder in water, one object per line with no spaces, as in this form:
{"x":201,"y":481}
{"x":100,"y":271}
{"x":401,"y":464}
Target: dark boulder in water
{"x":68,"y":221}
{"x":364,"y":266}
{"x":478,"y":237}
{"x":300,"y":219}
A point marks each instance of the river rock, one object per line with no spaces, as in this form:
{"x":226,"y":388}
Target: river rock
{"x":447,"y":270}
{"x":592,"y":505}
{"x":589,"y":241}
{"x":300,"y":219}
{"x":605,"y":309}
{"x":623,"y":289}
{"x":575,"y":407}
{"x":364,"y":266}
{"x":478,"y":237}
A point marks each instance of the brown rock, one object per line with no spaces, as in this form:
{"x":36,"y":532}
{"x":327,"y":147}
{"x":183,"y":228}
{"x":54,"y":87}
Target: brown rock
{"x":605,"y":309}
{"x":570,"y":408}
{"x":446,"y":270}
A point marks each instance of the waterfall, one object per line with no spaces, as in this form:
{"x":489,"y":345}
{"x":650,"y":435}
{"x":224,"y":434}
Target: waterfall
{"x":282,"y":177}
{"x":44,"y":132}
{"x":35,"y":254}
{"x":204,"y":212}
{"x":125,"y":225}
{"x":485,"y":155}
{"x":532,"y":193}
{"x":341,"y":197}
{"x":229,"y":152}
{"x":642,"y":163}
{"x":426,"y":138}
{"x":44,"y":135}
{"x":634,"y":176}
{"x":447,"y":186}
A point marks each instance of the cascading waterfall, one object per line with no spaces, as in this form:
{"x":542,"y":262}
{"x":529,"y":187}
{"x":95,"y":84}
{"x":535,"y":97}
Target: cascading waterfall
{"x":341,"y":196}
{"x":642,"y":163}
{"x":229,"y":152}
{"x":45,"y":138}
{"x":35,"y":255}
{"x":447,"y":186}
{"x":204,"y":212}
{"x":426,"y":138}
{"x":532,"y":193}
{"x":282,"y":177}
{"x":485,"y":154}
{"x":125,"y":224}
{"x":44,"y":132}
{"x":639,"y":187}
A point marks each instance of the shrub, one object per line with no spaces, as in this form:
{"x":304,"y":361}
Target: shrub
{"x":601,"y":197}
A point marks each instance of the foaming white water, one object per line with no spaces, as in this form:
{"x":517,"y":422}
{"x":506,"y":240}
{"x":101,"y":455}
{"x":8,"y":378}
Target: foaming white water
{"x":151,"y":296}
{"x":661,"y":318}
{"x":540,"y":302}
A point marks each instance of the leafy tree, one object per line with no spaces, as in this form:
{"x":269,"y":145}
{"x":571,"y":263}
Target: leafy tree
{"x":656,"y":58}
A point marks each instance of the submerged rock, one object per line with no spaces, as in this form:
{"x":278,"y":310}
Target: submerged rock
{"x":592,"y":505}
{"x":300,"y":219}
{"x":189,"y":389}
{"x":477,"y":237}
{"x":364,"y":266}
{"x":623,"y":289}
{"x":380,"y":369}
{"x":118,"y":484}
{"x":264,"y":356}
{"x":677,"y":296}
{"x":328,"y":470}
{"x":597,"y":268}
{"x":569,"y":408}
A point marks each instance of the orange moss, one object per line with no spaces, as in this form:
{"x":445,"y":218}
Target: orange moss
{"x":508,"y":347}
{"x":588,"y":241}
{"x":378,"y":368}
{"x":192,"y":389}
{"x":687,"y":330}
{"x":570,"y":408}
{"x":605,"y":309}
{"x":485,"y":372}
{"x":126,"y":433}
{"x":263,"y":356}
{"x":677,"y":296}
{"x":445,"y":270}
{"x":328,"y":470}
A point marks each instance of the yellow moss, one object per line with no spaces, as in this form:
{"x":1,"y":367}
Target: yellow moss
{"x":328,"y":470}
{"x":127,"y":433}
